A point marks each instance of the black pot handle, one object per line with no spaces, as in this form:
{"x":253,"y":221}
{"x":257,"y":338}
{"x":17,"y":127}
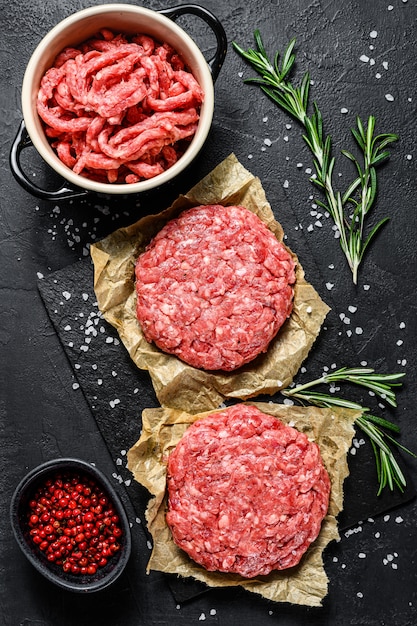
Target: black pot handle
{"x":22,"y":141}
{"x":216,"y":62}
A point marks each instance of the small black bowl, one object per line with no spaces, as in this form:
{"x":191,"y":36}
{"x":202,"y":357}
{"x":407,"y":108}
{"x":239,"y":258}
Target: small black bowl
{"x":19,"y":508}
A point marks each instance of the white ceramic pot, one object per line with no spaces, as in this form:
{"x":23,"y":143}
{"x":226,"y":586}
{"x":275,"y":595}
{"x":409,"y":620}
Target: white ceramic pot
{"x":128,"y":19}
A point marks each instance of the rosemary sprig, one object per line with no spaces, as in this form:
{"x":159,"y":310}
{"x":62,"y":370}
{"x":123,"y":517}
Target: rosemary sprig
{"x":349,"y":209}
{"x":387,"y":468}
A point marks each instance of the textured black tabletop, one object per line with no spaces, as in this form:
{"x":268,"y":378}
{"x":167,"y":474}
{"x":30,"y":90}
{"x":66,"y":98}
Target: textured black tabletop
{"x":68,"y":387}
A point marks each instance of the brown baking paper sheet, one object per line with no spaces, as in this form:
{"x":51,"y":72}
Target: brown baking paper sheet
{"x":177,"y":384}
{"x":305,"y":584}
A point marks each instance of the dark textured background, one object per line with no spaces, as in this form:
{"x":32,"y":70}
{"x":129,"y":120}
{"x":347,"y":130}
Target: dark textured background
{"x":59,"y":381}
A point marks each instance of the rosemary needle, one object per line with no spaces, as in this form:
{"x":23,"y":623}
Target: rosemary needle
{"x":349,"y":209}
{"x":389,"y":472}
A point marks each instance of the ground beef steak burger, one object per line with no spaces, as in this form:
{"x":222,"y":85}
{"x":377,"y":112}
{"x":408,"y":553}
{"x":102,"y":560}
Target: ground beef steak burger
{"x":214,"y":287}
{"x":246,"y":493}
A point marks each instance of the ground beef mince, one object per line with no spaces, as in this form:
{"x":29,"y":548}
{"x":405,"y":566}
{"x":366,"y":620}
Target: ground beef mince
{"x":214,"y":287}
{"x":246,"y":493}
{"x":119,"y":109}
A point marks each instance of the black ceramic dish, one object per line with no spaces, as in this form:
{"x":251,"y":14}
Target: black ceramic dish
{"x":18,"y":512}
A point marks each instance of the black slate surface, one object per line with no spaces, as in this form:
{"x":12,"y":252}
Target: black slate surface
{"x":361,"y":58}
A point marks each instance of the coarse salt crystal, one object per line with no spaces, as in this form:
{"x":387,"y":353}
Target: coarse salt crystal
{"x":358,"y":330}
{"x":75,"y":386}
{"x":389,"y":97}
{"x":66,"y":295}
{"x":364,"y":58}
{"x":344,"y":110}
{"x":267,"y":142}
{"x":385,"y":65}
{"x":373,"y":34}
{"x":329,"y":286}
{"x":286,"y":184}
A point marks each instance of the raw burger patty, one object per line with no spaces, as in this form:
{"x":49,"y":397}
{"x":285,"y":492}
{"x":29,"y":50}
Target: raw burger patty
{"x":214,"y":287}
{"x":246,"y":493}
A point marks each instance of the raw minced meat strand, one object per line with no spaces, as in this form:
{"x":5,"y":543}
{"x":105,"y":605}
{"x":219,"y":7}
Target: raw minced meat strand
{"x":112,"y":87}
{"x":214,"y":287}
{"x":246,"y":493}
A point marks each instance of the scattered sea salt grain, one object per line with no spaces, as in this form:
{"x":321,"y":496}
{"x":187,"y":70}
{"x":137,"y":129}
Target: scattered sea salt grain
{"x":329,"y":286}
{"x":352,"y":309}
{"x":39,"y":275}
{"x":390,"y":7}
{"x":402,"y":324}
{"x":364,"y":58}
{"x":66,"y":295}
{"x":409,"y":157}
{"x":373,"y":34}
{"x":344,"y":110}
{"x":359,"y":594}
{"x":202,"y":617}
{"x":389,"y":97}
{"x":149,"y":545}
{"x":213,"y":612}
{"x":385,"y":65}
{"x":400,"y":342}
{"x":377,"y":75}
{"x":358,"y":330}
{"x":75,"y":386}
{"x":399,"y":519}
{"x":286,"y":184}
{"x":362,"y":555}
{"x":366,"y":287}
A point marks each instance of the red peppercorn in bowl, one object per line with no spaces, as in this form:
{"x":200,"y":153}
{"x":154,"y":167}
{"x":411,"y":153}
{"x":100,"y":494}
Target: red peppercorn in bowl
{"x":71,"y":525}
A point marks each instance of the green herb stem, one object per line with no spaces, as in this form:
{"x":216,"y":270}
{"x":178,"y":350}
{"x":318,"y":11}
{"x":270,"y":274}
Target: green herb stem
{"x":348,"y":210}
{"x":389,"y":472}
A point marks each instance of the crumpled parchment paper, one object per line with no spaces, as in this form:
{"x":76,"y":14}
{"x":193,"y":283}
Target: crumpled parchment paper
{"x":177,"y":384}
{"x":305,"y":584}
